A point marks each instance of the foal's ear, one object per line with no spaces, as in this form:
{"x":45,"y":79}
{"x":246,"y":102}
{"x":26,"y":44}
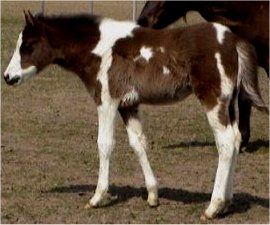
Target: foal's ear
{"x":29,"y":18}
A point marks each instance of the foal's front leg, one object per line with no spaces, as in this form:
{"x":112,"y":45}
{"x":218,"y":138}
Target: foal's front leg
{"x":138,"y":142}
{"x":106,"y":118}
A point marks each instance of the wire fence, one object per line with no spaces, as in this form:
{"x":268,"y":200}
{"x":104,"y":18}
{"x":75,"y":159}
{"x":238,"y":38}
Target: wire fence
{"x":91,"y":8}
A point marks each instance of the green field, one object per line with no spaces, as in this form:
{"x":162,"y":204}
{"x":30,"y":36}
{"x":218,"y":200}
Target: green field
{"x":49,"y":156}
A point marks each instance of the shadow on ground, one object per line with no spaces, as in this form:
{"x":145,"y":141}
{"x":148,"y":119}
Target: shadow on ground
{"x":252,"y":146}
{"x":242,"y":201}
{"x":255,"y":145}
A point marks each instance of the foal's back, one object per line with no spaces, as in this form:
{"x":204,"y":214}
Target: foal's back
{"x":163,"y":66}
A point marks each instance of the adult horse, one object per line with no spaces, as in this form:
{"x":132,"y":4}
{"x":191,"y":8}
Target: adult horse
{"x":123,"y":65}
{"x":247,"y":19}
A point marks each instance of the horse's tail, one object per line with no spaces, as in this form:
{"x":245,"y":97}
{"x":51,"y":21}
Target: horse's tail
{"x":247,"y":75}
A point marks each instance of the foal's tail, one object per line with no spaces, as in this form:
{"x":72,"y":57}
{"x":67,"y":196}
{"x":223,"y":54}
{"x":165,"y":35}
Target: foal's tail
{"x":247,"y":75}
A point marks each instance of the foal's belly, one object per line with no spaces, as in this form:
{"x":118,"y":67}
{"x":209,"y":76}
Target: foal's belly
{"x":164,"y":95}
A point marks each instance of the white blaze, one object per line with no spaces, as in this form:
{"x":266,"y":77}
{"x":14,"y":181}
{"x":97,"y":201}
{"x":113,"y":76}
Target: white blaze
{"x":14,"y":68}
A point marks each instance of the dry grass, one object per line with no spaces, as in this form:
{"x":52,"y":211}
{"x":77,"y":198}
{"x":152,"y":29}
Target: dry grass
{"x":49,"y":157}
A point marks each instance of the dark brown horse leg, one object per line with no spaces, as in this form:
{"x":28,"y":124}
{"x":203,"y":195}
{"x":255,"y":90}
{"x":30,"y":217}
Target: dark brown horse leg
{"x":265,"y":64}
{"x":263,"y":57}
{"x":244,"y":119}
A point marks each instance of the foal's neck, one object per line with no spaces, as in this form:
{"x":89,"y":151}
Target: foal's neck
{"x":73,"y":39}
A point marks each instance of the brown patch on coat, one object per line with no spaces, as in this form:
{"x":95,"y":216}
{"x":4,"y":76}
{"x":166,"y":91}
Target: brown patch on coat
{"x":97,"y":93}
{"x":188,"y":54}
{"x":128,"y":112}
{"x":223,"y":112}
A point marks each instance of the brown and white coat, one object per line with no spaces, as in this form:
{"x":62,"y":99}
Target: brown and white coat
{"x":123,"y":65}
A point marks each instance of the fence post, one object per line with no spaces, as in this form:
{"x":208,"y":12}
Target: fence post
{"x":91,"y":6}
{"x":134,"y":10}
{"x":42,"y":6}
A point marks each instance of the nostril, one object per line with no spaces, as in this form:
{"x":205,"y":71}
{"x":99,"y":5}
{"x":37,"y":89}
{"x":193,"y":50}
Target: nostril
{"x":6,"y":77}
{"x":13,"y":80}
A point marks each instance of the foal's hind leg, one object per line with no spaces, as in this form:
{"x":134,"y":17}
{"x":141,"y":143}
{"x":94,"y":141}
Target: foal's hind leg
{"x":138,"y":142}
{"x":228,"y":140}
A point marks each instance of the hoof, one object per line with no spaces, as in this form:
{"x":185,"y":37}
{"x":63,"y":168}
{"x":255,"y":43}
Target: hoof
{"x":153,"y":202}
{"x":216,"y":208}
{"x":204,"y":217}
{"x":153,"y":197}
{"x":243,"y":146}
{"x":103,"y":201}
{"x":88,"y":206}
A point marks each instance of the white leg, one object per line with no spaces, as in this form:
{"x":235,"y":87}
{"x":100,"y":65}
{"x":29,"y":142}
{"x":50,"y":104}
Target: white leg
{"x":106,"y":117}
{"x":138,"y":142}
{"x":237,"y":142}
{"x":226,"y":142}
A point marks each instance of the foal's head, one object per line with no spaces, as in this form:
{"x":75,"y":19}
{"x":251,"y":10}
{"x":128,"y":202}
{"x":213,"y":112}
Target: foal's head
{"x":33,"y":52}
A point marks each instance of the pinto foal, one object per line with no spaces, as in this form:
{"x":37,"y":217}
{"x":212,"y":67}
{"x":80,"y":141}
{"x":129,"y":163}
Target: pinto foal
{"x":123,"y":65}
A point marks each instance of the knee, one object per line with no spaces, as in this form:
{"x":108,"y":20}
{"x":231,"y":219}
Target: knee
{"x":226,"y":142}
{"x":105,"y":146}
{"x":137,"y":142}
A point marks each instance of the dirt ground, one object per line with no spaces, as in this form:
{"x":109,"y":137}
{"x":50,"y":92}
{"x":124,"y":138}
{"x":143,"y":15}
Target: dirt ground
{"x":49,"y":159}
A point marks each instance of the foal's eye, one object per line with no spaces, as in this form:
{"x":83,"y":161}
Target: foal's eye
{"x":27,"y":47}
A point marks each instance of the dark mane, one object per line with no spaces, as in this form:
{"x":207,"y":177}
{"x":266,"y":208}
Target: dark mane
{"x":68,"y":19}
{"x":71,"y":27}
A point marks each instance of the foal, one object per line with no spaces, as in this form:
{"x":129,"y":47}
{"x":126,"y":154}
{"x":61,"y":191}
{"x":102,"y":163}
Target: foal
{"x":123,"y":65}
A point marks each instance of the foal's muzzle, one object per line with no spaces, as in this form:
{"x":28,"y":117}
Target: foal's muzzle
{"x":13,"y":80}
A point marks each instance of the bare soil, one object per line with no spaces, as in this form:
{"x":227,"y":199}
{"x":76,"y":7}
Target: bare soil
{"x":50,"y":162}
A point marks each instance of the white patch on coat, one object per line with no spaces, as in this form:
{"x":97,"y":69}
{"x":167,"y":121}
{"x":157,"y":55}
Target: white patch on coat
{"x":221,"y":29}
{"x":14,"y":68}
{"x":136,"y":58}
{"x":146,"y":53}
{"x":165,"y":69}
{"x":110,"y":32}
{"x":226,"y":83}
{"x":102,"y":76}
{"x":161,"y":49}
{"x":130,"y":97}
